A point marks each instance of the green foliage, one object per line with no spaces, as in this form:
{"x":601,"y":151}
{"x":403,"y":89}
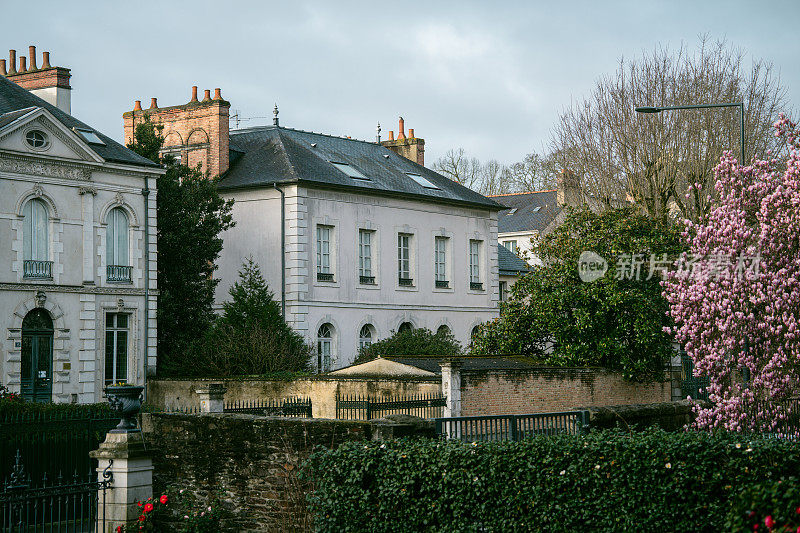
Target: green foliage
{"x":416,"y":341}
{"x":251,"y":337}
{"x":610,"y":323}
{"x":180,"y":511}
{"x":191,"y":216}
{"x":13,"y":407}
{"x":777,"y":499}
{"x":605,"y":481}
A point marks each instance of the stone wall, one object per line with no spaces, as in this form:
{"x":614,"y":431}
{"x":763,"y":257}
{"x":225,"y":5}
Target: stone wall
{"x":172,"y":394}
{"x":252,"y":461}
{"x":544,"y":390}
{"x":670,"y":416}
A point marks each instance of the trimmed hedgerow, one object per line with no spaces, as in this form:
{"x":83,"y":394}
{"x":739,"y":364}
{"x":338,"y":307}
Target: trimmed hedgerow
{"x":772,"y":505}
{"x":605,"y":481}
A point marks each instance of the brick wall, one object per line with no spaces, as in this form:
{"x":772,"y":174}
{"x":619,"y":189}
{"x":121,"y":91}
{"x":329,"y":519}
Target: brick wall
{"x":252,"y":460}
{"x":545,"y":390}
{"x":198,"y":131}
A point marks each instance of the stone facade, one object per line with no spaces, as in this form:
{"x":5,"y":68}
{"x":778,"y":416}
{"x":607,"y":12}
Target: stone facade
{"x":76,"y":190}
{"x":549,"y":390}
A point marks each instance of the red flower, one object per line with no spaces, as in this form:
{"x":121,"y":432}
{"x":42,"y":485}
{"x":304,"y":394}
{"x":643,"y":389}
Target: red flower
{"x":798,"y":510}
{"x":141,"y":518}
{"x":163,"y":499}
{"x":148,"y":507}
{"x":119,"y":529}
{"x":139,"y":504}
{"x":769,"y":522}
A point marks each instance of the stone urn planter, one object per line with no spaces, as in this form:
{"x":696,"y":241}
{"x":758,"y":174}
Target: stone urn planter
{"x":127,"y":401}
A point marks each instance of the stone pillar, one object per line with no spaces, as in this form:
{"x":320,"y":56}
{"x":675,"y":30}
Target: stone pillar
{"x":212,"y":398}
{"x":451,"y":387}
{"x":132,"y":477}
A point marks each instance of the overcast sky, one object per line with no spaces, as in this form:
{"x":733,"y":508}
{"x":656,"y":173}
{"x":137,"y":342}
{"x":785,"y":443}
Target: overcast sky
{"x":489,"y":77}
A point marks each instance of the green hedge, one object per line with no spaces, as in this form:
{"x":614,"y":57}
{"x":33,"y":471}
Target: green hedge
{"x":13,"y":408}
{"x":774,"y":504}
{"x":605,"y":481}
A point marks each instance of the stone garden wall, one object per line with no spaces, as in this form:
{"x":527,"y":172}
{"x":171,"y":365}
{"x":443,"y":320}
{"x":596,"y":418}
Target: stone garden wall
{"x":179,"y":393}
{"x":251,"y":461}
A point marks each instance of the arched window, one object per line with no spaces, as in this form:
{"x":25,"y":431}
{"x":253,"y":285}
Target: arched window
{"x":117,"y":263}
{"x":444,"y":329}
{"x":35,"y":240}
{"x":365,"y":337}
{"x":324,"y":347}
{"x":405,"y":326}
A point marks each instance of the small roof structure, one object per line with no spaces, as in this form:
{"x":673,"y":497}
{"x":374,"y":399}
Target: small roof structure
{"x":509,"y":263}
{"x":527,"y":211}
{"x":382,"y":367}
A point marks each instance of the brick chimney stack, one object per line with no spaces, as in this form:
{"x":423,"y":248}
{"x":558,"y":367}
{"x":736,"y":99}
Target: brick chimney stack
{"x":568,"y":189}
{"x":409,"y":147}
{"x":48,"y":83}
{"x":196,"y":132}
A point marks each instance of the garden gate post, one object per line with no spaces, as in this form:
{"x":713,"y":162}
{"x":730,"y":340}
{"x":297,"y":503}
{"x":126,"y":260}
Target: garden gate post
{"x":451,"y":387}
{"x":212,"y":398}
{"x":131,"y":468}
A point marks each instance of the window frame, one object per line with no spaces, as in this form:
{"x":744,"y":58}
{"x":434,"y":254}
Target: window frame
{"x":475,"y":264}
{"x":365,"y":342}
{"x":325,"y":253}
{"x":112,"y":327}
{"x":366,"y":256}
{"x":324,"y":360}
{"x":405,"y":260}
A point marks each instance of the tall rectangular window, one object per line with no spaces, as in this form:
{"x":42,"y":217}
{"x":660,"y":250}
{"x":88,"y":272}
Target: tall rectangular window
{"x":503,"y":291}
{"x":365,"y":272}
{"x":324,"y":269}
{"x":404,"y":259}
{"x":474,"y":265}
{"x":116,"y":348}
{"x":440,"y":262}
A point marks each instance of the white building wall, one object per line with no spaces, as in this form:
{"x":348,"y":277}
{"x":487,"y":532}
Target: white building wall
{"x":78,"y":195}
{"x":345,"y":302}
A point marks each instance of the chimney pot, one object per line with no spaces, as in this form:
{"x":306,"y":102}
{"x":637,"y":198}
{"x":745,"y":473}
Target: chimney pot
{"x":410,"y":133}
{"x":391,"y":135}
{"x":217,"y":94}
{"x":153,"y":103}
{"x":32,"y":57}
{"x":137,"y":105}
{"x":12,"y":61}
{"x":194,"y":93}
{"x":2,"y":67}
{"x":22,"y":67}
{"x":45,"y":59}
{"x":207,"y":95}
{"x":401,"y":134}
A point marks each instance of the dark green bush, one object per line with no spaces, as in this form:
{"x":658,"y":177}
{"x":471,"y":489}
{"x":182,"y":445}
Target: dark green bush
{"x":774,"y":501}
{"x":605,"y":481}
{"x":12,"y":406}
{"x":417,"y":341}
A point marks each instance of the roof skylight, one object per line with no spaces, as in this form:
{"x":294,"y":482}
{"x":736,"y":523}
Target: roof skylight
{"x":350,"y":171}
{"x":514,"y":210}
{"x":422,"y":181}
{"x":89,"y":136}
{"x":537,"y":208}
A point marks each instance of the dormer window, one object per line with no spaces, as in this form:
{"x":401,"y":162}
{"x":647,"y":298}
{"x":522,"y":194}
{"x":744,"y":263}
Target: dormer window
{"x":90,"y":136}
{"x":37,"y":140}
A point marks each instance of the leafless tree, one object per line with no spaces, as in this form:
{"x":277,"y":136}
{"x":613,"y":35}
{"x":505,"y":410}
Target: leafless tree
{"x":650,"y":159}
{"x":534,"y":173}
{"x":459,"y":167}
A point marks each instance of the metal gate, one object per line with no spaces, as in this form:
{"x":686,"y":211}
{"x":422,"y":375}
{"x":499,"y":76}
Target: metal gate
{"x":59,"y":504}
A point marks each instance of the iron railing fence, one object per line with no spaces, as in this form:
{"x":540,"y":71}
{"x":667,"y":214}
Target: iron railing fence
{"x":53,"y":443}
{"x":118,"y":273}
{"x":37,"y":269}
{"x":367,"y":408}
{"x":290,"y":407}
{"x":787,"y":414}
{"x":68,"y":504}
{"x":512,"y":427}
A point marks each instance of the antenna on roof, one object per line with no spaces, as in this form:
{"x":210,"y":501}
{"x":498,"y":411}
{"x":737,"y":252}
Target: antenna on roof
{"x":236,"y":118}
{"x":275,"y":115}
{"x":379,"y":132}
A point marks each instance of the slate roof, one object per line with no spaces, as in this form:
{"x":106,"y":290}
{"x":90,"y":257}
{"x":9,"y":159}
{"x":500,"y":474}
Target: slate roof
{"x":271,"y":154}
{"x":431,"y":363}
{"x":510,"y":264}
{"x":14,"y":100}
{"x":534,"y":211}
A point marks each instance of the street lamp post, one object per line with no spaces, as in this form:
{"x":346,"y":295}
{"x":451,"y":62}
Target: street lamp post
{"x":740,"y":105}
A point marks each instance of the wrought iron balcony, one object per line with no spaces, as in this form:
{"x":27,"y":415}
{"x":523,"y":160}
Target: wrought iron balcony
{"x":118,"y":273}
{"x":324,"y":276}
{"x":405,"y":282}
{"x":366,"y":280}
{"x":37,"y":269}
{"x":442,"y":284}
{"x":475,"y":286}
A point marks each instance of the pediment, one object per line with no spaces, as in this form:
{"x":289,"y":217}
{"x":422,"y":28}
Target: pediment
{"x":59,"y":142}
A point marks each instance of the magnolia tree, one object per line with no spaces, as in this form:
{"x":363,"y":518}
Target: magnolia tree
{"x":735,"y":296}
